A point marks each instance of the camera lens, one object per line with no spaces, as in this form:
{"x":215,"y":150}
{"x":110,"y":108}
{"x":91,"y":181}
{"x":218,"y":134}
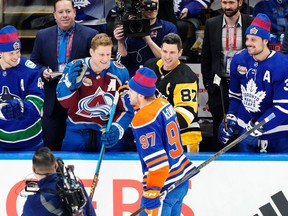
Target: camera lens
{"x":136,"y":26}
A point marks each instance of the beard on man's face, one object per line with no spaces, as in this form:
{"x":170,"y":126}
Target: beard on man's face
{"x":231,"y":12}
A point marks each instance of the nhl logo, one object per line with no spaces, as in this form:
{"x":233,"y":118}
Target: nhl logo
{"x":16,"y":45}
{"x":253,"y":31}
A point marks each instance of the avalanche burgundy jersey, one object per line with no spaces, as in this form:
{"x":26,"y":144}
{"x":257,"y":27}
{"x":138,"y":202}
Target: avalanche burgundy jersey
{"x":89,"y":106}
{"x":258,"y":89}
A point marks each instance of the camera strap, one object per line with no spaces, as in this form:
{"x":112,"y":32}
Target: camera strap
{"x":48,"y":191}
{"x":156,"y":28}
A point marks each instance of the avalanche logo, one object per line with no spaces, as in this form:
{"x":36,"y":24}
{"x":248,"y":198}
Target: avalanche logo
{"x":251,"y":99}
{"x":81,"y":3}
{"x":96,"y":105}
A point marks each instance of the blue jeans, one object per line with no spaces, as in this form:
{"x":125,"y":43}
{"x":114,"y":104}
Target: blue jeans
{"x":86,"y":140}
{"x":172,"y":204}
{"x":276,"y":145}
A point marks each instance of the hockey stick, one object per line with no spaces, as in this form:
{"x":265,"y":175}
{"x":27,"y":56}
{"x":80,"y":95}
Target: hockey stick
{"x":209,"y":160}
{"x":223,"y":106}
{"x":97,"y":171}
{"x":218,"y":81}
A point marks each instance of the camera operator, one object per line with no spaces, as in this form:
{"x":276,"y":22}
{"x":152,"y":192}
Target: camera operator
{"x":44,"y":202}
{"x":135,"y":51}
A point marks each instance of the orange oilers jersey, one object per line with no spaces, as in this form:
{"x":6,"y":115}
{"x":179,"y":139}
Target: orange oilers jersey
{"x":158,"y":142}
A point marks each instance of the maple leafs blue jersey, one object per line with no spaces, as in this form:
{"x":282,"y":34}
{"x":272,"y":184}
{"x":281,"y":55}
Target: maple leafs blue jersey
{"x":158,"y":142}
{"x":89,"y":106}
{"x":195,"y":7}
{"x":22,"y":82}
{"x":258,"y":89}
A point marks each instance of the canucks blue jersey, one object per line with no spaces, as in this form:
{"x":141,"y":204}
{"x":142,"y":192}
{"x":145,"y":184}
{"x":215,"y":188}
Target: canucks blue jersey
{"x":22,"y":82}
{"x":258,"y":89}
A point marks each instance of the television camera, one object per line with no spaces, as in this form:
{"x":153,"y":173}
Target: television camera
{"x":129,"y":13}
{"x":69,"y":190}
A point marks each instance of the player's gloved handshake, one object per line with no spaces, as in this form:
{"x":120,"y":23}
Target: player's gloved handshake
{"x":14,"y":109}
{"x":151,"y":198}
{"x":110,"y":138}
{"x":223,"y":135}
{"x":252,"y":139}
{"x":74,"y":75}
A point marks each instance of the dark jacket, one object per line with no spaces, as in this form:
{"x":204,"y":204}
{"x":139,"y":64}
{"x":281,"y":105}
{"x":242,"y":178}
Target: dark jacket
{"x":46,"y":203}
{"x":212,"y":45}
{"x":44,"y":54}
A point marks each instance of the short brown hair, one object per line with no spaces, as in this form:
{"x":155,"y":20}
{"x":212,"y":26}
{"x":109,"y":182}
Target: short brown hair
{"x":101,"y":39}
{"x":55,"y":2}
{"x":44,"y":160}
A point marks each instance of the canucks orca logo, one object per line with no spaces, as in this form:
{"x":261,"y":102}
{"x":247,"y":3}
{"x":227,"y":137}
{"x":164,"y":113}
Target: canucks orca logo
{"x":96,"y":105}
{"x":6,"y":95}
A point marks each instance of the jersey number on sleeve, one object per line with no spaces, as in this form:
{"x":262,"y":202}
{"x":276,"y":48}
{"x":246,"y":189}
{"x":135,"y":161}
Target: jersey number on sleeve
{"x":188,"y":95}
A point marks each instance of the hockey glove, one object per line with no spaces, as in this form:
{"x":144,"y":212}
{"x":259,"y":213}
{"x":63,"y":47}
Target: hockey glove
{"x":111,"y":138}
{"x":223,"y":135}
{"x":151,"y":198}
{"x":73,"y":72}
{"x":13,"y":110}
{"x":251,"y":141}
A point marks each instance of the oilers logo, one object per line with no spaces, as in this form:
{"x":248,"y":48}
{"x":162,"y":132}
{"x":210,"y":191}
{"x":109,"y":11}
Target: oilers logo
{"x":96,"y":105}
{"x":5,"y":95}
{"x":251,"y":98}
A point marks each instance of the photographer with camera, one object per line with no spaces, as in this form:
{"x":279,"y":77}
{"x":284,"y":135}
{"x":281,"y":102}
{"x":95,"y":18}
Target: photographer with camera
{"x":137,"y":45}
{"x":52,"y":195}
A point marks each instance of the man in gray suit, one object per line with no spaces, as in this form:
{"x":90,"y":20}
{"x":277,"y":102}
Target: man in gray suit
{"x":224,"y":36}
{"x":46,"y":55}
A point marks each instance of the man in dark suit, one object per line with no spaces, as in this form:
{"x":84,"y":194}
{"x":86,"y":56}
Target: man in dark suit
{"x":224,"y":36}
{"x":47,"y":55}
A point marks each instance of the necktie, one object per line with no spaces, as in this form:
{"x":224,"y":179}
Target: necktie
{"x":62,"y":48}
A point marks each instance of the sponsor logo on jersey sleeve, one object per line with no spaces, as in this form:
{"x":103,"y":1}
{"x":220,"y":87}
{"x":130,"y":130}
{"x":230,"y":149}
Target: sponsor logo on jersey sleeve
{"x":30,"y":64}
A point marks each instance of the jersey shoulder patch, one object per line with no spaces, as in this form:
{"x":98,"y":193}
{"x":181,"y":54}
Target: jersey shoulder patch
{"x":30,"y":64}
{"x":118,"y":64}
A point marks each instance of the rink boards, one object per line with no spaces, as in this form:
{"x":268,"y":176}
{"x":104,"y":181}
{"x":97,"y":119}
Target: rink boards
{"x":233,"y":185}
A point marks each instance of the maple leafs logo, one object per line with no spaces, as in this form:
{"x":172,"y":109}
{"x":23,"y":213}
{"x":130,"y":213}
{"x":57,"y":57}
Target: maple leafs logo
{"x":251,"y":99}
{"x":81,"y":3}
{"x":177,"y":5}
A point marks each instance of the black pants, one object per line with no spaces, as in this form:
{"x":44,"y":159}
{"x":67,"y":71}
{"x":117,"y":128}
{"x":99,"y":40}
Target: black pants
{"x":216,"y":108}
{"x":54,"y":128}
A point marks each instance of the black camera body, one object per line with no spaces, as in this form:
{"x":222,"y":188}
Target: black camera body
{"x":69,"y":190}
{"x":130,"y":15}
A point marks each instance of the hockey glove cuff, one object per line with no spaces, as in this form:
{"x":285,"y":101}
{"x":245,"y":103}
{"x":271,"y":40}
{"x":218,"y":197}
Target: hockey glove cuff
{"x":151,"y":198}
{"x":75,"y":75}
{"x":223,"y":135}
{"x":253,"y":139}
{"x":111,"y":138}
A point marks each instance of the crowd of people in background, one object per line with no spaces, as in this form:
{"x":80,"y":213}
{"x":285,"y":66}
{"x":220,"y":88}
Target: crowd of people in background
{"x":69,"y":58}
